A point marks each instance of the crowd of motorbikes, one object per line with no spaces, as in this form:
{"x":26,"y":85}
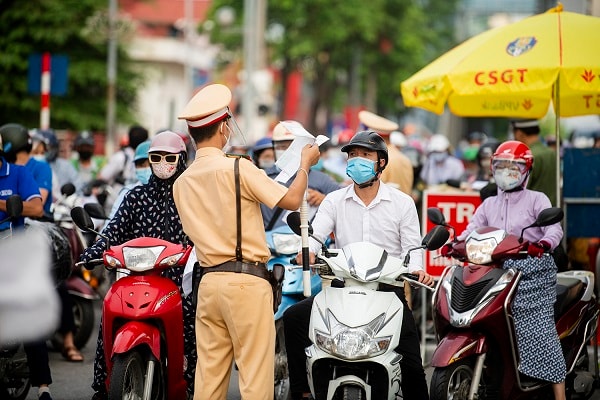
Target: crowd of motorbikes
{"x":354,"y":328}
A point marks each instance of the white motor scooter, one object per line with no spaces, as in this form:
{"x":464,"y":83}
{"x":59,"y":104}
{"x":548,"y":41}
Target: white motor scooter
{"x":354,"y":328}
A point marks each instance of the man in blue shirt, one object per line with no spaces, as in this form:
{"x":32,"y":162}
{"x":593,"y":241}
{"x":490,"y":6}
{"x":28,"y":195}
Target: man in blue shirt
{"x":17,"y":147}
{"x":16,"y":179}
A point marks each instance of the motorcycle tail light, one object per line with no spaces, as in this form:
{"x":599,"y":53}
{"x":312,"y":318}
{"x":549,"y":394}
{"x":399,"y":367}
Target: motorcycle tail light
{"x":141,"y":258}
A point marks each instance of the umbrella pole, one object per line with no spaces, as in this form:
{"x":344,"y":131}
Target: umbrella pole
{"x":557,"y":134}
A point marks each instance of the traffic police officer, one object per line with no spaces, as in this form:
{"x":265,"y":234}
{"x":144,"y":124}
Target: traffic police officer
{"x":234,"y":316}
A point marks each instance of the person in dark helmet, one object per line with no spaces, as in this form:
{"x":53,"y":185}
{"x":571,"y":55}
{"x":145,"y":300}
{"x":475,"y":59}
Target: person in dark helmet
{"x":394,"y":226}
{"x":85,"y":162}
{"x":120,"y":168}
{"x":46,"y":146}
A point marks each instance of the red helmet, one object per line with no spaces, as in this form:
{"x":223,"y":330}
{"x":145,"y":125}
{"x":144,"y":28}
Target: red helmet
{"x":515,"y":151}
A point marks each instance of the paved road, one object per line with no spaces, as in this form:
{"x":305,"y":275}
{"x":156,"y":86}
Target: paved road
{"x":72,"y":380}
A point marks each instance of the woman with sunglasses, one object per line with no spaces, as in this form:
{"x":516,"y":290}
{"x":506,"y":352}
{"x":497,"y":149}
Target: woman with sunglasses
{"x":149,"y":210}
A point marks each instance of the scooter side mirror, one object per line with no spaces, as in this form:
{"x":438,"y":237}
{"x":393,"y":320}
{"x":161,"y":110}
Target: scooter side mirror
{"x":293,"y":221}
{"x":435,"y":216}
{"x":549,"y":216}
{"x":67,"y":189}
{"x":82,"y":219}
{"x":435,"y":238}
{"x":95,"y":210}
{"x":14,"y":206}
{"x":546,"y":217}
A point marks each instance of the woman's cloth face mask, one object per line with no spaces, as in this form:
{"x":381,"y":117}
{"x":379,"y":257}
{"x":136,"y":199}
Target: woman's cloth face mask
{"x":508,"y":175}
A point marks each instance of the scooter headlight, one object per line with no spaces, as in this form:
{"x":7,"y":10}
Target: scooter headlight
{"x":286,"y":243}
{"x":481,"y":245}
{"x":353,"y":343}
{"x":141,"y":258}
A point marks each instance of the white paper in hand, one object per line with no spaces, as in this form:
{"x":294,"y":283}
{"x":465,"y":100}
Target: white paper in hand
{"x":289,"y":162}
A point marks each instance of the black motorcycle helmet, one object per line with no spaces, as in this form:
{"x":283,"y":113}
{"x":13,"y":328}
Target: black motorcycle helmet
{"x":15,"y":138}
{"x":371,"y":141}
{"x":486,"y":150}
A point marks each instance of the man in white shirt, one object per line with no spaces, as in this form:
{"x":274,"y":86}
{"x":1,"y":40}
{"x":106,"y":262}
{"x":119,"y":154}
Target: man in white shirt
{"x":369,"y":210}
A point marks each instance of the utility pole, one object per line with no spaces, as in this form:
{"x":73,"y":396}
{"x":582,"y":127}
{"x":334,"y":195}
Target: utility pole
{"x":189,"y":38}
{"x":254,"y":59}
{"x":111,"y":76}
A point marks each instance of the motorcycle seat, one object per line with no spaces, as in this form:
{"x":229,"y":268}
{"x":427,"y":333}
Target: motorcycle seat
{"x":568,"y":291}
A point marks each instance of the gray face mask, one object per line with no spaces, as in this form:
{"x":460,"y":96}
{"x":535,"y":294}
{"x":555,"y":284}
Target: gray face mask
{"x":266,"y":164}
{"x":438,"y":157}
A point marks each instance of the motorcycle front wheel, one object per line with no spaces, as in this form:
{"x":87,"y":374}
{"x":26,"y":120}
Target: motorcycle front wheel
{"x":83,"y":314}
{"x":282,"y":377}
{"x":452,"y":382}
{"x":129,"y":375}
{"x":14,"y":373}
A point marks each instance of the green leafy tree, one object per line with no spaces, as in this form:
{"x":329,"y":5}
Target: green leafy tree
{"x":351,"y":52}
{"x":76,"y":29}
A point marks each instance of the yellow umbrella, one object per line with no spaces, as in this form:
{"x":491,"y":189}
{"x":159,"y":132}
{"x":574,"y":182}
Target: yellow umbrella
{"x":516,"y":70}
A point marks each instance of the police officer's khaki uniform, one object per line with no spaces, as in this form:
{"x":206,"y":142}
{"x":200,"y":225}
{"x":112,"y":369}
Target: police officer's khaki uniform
{"x":234,"y":316}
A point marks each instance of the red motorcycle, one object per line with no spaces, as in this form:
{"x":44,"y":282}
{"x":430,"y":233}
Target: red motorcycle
{"x":476,"y":357}
{"x":142,"y":318}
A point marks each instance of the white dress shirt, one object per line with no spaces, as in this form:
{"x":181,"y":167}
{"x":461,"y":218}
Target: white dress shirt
{"x":389,"y":221}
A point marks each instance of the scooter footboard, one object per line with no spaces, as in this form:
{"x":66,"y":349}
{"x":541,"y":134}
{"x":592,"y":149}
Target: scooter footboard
{"x":456,"y":346}
{"x":135,"y":333}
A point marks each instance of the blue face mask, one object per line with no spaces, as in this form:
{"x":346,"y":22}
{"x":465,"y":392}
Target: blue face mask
{"x":143,"y":174}
{"x":361,"y":170}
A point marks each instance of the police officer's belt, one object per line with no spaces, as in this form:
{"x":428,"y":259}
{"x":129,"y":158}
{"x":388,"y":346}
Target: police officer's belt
{"x":257,"y":269}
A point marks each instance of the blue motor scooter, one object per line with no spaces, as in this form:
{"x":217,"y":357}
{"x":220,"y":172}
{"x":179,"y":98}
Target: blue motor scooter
{"x":284,"y":245}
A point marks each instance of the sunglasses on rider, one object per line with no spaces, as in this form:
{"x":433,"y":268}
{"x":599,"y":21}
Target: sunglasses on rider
{"x":156,"y":158}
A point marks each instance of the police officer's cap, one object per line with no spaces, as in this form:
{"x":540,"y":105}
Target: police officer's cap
{"x":525,"y":123}
{"x":374,"y":122}
{"x":208,"y":106}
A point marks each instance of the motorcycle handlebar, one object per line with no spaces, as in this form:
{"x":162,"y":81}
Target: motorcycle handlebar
{"x":89,"y":265}
{"x":413,"y":280}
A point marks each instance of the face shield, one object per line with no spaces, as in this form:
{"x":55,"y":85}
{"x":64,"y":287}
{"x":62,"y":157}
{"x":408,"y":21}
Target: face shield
{"x":237,"y":137}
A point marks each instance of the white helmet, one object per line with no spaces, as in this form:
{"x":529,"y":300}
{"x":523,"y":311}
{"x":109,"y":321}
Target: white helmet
{"x":398,"y":139}
{"x":280,"y":132}
{"x":438,"y":143}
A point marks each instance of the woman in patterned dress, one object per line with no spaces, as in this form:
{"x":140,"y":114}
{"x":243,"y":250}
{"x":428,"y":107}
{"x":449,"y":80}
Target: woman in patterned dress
{"x":149,"y":210}
{"x":512,"y":209}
